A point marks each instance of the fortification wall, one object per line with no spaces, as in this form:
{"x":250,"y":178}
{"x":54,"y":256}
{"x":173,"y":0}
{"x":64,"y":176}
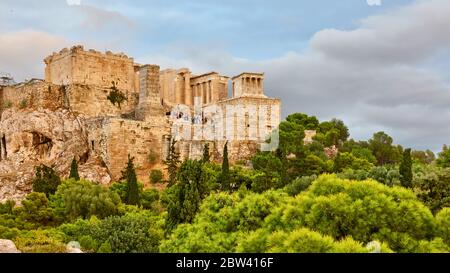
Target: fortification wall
{"x":77,"y":66}
{"x":114,"y":138}
{"x":93,"y":101}
{"x":33,"y":94}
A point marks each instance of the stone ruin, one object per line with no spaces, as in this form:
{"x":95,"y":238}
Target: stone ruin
{"x":70,"y":115}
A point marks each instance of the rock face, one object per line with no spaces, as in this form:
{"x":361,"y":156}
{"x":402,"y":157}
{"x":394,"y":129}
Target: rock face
{"x":7,"y":246}
{"x":33,"y":137}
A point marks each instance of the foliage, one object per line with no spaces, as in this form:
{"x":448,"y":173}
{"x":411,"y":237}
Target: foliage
{"x":349,"y":161}
{"x":423,"y":157}
{"x":406,"y":174}
{"x":187,"y":194}
{"x":224,"y":177}
{"x":116,"y":96}
{"x":46,"y":180}
{"x":444,"y":158}
{"x":41,"y":241}
{"x":131,"y":233}
{"x":443,"y":224}
{"x":206,"y":154}
{"x":172,"y":162}
{"x":35,"y":210}
{"x":299,"y":184}
{"x":152,"y":157}
{"x":74,"y":170}
{"x":23,"y":104}
{"x":149,"y":198}
{"x":156,"y":176}
{"x":433,"y":188}
{"x":352,"y":213}
{"x":382,"y":148}
{"x":84,"y":199}
{"x":129,"y":175}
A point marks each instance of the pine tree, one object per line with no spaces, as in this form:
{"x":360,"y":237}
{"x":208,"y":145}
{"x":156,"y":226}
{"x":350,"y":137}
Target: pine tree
{"x":74,"y":170}
{"x":187,"y":194}
{"x":406,"y":169}
{"x":206,"y":156}
{"x":46,"y":180}
{"x":172,"y":162}
{"x":224,"y":177}
{"x":129,"y":174}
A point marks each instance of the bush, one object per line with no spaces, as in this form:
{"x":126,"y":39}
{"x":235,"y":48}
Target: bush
{"x":364,"y":211}
{"x":41,"y":241}
{"x":148,"y":198}
{"x":156,"y":176}
{"x":35,"y":211}
{"x":75,"y":199}
{"x":23,"y":104}
{"x":300,"y":184}
{"x":443,"y":224}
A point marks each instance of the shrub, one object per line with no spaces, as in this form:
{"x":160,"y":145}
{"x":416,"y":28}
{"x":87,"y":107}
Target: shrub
{"x":23,"y":104}
{"x":156,"y":176}
{"x":84,"y":199}
{"x":41,"y":241}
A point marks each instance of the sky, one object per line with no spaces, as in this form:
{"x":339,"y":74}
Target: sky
{"x":379,"y":65}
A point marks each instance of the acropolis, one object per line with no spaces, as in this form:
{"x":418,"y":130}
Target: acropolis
{"x":70,"y":114}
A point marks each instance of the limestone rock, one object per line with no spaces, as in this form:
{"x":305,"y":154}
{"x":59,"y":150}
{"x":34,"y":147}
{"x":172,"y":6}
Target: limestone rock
{"x":74,"y":247}
{"x":8,"y":246}
{"x":37,"y":137}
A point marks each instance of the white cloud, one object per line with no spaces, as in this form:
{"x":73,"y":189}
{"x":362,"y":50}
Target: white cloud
{"x":73,"y":2}
{"x":374,"y":2}
{"x":22,"y":52}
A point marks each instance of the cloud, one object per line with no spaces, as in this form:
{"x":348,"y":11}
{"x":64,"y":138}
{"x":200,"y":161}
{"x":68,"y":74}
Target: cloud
{"x":73,"y":2}
{"x":374,"y":2}
{"x":22,"y":52}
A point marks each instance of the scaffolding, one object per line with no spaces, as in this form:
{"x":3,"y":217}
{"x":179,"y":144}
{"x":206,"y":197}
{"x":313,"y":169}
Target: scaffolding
{"x":6,"y":79}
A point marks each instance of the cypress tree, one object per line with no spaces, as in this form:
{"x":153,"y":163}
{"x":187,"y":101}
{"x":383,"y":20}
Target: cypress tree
{"x":406,"y":174}
{"x":74,"y":170}
{"x":172,"y":162}
{"x":206,"y":156}
{"x":225,"y":175}
{"x":129,"y":174}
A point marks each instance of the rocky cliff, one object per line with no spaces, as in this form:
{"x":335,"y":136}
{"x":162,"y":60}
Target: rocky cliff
{"x":32,"y":137}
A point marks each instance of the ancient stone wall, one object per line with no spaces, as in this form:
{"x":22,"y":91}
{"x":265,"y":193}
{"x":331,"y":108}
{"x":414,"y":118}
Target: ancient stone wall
{"x":150,"y":104}
{"x":77,"y":66}
{"x":93,"y":101}
{"x":114,"y":138}
{"x":33,"y":94}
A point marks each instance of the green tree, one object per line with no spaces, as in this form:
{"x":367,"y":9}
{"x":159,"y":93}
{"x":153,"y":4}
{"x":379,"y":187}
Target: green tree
{"x":382,"y":148}
{"x":187,"y":194}
{"x":444,"y":158}
{"x":406,"y":169}
{"x":206,"y":154}
{"x":156,"y":176}
{"x":172,"y":162}
{"x":433,"y":188}
{"x":224,"y":177}
{"x":129,"y":175}
{"x":35,"y":210}
{"x":84,"y":199}
{"x":74,"y":170}
{"x":46,"y":180}
{"x":423,"y":157}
